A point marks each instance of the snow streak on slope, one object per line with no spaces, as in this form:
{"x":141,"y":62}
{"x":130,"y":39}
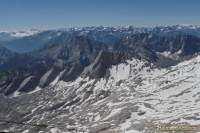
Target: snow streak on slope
{"x":136,"y":97}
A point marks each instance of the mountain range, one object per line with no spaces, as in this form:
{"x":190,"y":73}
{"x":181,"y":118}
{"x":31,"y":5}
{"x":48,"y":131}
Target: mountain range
{"x":99,"y":79}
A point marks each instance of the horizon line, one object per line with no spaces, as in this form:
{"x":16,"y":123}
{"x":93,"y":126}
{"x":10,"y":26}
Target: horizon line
{"x":113,"y":26}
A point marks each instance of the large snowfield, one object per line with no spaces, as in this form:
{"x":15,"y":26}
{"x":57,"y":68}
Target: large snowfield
{"x":136,"y":97}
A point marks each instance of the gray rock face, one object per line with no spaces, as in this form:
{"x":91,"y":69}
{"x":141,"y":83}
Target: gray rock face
{"x":103,"y":61}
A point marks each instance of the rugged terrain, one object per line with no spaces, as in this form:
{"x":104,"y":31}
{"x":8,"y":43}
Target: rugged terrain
{"x":100,"y":79}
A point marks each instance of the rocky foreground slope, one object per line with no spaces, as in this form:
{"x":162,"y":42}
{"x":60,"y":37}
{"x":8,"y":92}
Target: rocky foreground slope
{"x":134,"y":98}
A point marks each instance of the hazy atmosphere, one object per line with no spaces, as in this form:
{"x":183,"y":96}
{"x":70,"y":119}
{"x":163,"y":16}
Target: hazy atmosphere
{"x":45,"y":14}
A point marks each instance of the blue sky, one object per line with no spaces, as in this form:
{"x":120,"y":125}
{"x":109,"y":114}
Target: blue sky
{"x":48,"y":14}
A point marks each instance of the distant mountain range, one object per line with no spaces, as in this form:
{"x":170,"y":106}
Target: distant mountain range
{"x":26,"y":41}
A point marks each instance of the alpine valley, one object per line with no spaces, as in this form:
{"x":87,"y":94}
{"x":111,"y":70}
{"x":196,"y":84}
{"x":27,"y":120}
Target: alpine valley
{"x":99,"y":79}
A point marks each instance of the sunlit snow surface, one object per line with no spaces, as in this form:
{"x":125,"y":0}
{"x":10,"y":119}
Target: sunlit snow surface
{"x":135,"y":98}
